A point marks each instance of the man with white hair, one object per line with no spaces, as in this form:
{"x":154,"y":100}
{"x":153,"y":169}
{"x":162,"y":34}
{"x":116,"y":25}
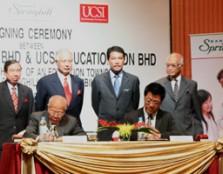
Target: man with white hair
{"x":181,"y":98}
{"x":63,"y":124}
{"x":62,"y":83}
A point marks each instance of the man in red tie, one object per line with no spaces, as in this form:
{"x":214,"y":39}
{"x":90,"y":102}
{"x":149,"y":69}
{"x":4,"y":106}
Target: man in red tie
{"x":16,"y":103}
{"x":63,"y":83}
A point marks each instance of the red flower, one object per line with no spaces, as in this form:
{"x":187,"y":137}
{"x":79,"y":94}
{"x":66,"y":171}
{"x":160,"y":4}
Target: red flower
{"x":26,"y":100}
{"x":106,"y":123}
{"x":141,"y":126}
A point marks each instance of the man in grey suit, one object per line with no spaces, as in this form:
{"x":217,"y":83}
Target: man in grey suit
{"x":181,"y":97}
{"x":115,"y":92}
{"x":14,"y":111}
{"x":151,"y":113}
{"x":63,"y":124}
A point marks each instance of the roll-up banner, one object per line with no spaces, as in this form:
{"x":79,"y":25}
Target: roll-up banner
{"x":207,"y":61}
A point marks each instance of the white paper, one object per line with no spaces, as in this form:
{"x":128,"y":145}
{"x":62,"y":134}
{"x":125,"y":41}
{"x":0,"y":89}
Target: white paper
{"x":75,"y":138}
{"x":184,"y":138}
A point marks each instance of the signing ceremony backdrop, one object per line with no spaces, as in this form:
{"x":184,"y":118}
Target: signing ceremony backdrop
{"x":31,"y":31}
{"x":207,"y":61}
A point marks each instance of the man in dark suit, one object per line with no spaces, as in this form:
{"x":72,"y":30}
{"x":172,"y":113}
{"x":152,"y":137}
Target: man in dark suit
{"x":181,"y":97}
{"x":111,"y":104}
{"x":14,"y":112}
{"x":64,"y":124}
{"x":152,"y":114}
{"x":61,"y":83}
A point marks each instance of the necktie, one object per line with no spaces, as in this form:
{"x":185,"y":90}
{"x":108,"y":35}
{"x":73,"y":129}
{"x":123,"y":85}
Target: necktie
{"x":67,"y":91}
{"x":14,"y":98}
{"x":176,"y":90}
{"x":149,"y":119}
{"x":116,"y":85}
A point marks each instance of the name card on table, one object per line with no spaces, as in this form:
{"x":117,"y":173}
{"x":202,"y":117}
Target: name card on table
{"x":184,"y":138}
{"x":75,"y":139}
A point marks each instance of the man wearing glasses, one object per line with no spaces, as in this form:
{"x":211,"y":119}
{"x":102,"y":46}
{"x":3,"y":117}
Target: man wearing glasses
{"x":181,"y":97}
{"x":56,"y":117}
{"x":151,"y":114}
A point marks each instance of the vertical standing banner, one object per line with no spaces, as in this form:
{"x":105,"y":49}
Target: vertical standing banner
{"x":207,"y":61}
{"x":31,"y":31}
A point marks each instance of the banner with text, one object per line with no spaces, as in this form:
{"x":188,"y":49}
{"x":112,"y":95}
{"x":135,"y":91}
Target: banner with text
{"x":32,"y":31}
{"x":207,"y":61}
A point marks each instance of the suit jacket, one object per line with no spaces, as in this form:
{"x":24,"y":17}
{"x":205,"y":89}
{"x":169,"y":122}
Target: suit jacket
{"x":186,"y":110}
{"x":50,"y":85}
{"x":109,"y":107}
{"x":12,"y":122}
{"x":164,"y":122}
{"x":67,"y":126}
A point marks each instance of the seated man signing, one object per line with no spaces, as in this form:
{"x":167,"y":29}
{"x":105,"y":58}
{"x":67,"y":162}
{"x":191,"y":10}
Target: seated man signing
{"x":152,"y":114}
{"x":63,"y":124}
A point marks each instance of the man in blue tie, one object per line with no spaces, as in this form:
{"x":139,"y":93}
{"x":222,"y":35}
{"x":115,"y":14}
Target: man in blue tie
{"x":115,"y":92}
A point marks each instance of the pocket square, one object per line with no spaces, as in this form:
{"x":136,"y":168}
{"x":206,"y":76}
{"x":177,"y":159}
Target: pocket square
{"x":126,"y":90}
{"x":25,"y":100}
{"x":79,"y":92}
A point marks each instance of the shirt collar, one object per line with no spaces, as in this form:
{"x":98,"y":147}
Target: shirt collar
{"x":178,"y":78}
{"x":112,"y":74}
{"x":146,"y":114}
{"x":61,"y":76}
{"x":10,"y":86}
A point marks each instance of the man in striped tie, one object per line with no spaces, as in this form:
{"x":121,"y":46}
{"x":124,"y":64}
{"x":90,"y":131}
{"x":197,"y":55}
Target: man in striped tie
{"x":16,"y":101}
{"x":181,"y":97}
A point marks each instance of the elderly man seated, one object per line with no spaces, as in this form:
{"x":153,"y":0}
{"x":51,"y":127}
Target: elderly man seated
{"x":56,"y":117}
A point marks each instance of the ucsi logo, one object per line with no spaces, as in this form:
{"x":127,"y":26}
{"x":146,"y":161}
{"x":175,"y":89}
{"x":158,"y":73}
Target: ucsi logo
{"x":94,"y":13}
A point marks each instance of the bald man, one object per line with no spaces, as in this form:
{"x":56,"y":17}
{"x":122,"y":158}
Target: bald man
{"x":55,"y":115}
{"x":181,"y":98}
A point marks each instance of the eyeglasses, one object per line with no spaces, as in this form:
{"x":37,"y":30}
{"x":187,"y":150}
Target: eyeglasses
{"x":59,"y":113}
{"x":155,"y":102}
{"x":172,"y":65}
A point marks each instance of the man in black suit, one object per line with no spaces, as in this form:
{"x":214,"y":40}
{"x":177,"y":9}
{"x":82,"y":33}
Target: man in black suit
{"x":152,"y":114}
{"x":14,"y":112}
{"x":54,"y":84}
{"x":111,"y":104}
{"x":63,"y":124}
{"x":181,"y":97}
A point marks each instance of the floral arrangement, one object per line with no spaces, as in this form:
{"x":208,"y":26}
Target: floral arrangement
{"x":125,"y":130}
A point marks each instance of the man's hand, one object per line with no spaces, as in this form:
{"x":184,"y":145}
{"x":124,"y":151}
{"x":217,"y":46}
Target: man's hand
{"x":154,"y":136}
